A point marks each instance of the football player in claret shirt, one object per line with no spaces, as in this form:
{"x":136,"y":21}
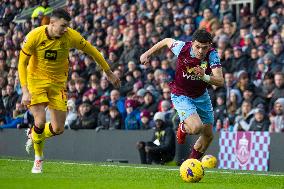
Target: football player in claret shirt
{"x":197,"y":66}
{"x":43,"y":70}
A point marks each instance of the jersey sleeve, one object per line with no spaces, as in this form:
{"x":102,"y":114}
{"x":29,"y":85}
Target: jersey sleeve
{"x":78,"y":41}
{"x":177,"y":46}
{"x":28,"y":46}
{"x":214,"y":60}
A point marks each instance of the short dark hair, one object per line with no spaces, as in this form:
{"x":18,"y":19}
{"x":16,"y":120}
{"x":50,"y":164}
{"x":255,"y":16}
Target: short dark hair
{"x":61,"y":13}
{"x":202,"y":36}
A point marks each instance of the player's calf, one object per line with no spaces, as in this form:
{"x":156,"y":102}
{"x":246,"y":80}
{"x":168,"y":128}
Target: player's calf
{"x":51,"y":130}
{"x":37,"y":134}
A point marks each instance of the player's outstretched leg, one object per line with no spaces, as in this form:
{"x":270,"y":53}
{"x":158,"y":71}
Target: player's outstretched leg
{"x":48,"y":132}
{"x":191,"y":125}
{"x":194,"y":126}
{"x":202,"y":143}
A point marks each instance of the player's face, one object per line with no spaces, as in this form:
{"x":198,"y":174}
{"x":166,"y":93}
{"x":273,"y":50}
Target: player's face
{"x":59,"y":27}
{"x":200,"y":49}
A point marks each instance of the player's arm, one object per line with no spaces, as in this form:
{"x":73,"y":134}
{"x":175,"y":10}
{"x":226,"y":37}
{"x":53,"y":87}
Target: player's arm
{"x":22,"y":68}
{"x":216,"y":78}
{"x":80,"y":43}
{"x":96,"y":55}
{"x":25,"y":54}
{"x":144,"y":58}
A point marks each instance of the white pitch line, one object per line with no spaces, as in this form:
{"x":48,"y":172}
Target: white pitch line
{"x":150,"y":168}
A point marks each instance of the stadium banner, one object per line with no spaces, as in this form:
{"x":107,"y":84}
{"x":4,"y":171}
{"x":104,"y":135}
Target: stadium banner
{"x":244,"y":150}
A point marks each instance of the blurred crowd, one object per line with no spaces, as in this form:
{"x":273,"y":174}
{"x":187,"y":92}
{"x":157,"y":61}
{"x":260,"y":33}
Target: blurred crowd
{"x":250,"y":48}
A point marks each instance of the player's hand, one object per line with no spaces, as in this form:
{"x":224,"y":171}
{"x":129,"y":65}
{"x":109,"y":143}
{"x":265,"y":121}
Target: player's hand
{"x":113,"y":79}
{"x":144,"y":59}
{"x":26,"y":98}
{"x":199,"y":71}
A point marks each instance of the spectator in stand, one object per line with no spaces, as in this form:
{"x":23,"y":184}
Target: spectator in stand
{"x":260,"y":70}
{"x":253,"y":60}
{"x":128,"y":84}
{"x":209,"y":20}
{"x":277,"y":116}
{"x":267,"y":86}
{"x":230,"y":29}
{"x":243,"y":120}
{"x":146,"y":121}
{"x":80,"y":89}
{"x":150,"y":103}
{"x":117,"y":101}
{"x":220,"y":112}
{"x":105,"y":87}
{"x":278,"y":91}
{"x":116,"y":121}
{"x":130,"y":52}
{"x":10,"y":99}
{"x":166,"y":108}
{"x":92,"y":96}
{"x":263,"y":16}
{"x":271,"y":64}
{"x":103,"y":116}
{"x":278,"y":53}
{"x":166,"y":67}
{"x":253,"y":95}
{"x":86,"y":117}
{"x":166,"y":95}
{"x":72,"y":116}
{"x":227,"y":61}
{"x":235,"y":98}
{"x":140,"y":96}
{"x":239,"y":61}
{"x":259,"y":122}
{"x":17,"y":121}
{"x":132,"y":120}
{"x":161,"y":148}
{"x":243,"y":82}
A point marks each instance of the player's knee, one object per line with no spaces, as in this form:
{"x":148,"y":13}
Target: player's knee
{"x":193,"y":127}
{"x":40,"y":123}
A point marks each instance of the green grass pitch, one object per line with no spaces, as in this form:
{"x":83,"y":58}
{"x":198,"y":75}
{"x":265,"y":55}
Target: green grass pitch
{"x":15,"y":173}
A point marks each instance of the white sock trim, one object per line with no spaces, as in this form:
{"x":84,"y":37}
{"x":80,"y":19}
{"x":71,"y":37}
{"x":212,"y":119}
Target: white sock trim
{"x":38,"y":157}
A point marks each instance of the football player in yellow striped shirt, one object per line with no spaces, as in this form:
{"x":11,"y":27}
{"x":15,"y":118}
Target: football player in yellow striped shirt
{"x":43,"y":69}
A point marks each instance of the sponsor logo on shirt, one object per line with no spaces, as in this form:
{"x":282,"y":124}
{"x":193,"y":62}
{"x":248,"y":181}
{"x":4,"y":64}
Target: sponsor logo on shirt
{"x":50,"y":54}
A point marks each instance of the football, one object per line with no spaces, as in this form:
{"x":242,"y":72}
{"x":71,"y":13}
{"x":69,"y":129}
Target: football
{"x":191,"y":170}
{"x":209,"y":161}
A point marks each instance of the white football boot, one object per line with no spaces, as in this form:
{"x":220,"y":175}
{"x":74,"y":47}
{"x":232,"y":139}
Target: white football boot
{"x":37,"y":168}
